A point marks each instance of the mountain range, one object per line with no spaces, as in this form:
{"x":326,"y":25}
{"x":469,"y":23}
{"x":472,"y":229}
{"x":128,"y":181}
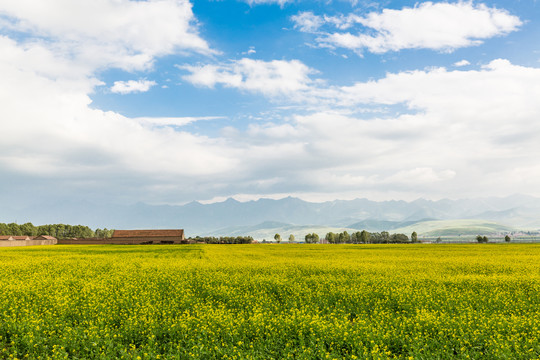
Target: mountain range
{"x":291,"y":215}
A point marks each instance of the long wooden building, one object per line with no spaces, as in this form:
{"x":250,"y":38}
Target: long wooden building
{"x":150,"y":236}
{"x":133,"y":237}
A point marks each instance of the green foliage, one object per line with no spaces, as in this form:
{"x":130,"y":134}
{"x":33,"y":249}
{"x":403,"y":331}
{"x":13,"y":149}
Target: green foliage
{"x":14,"y":229}
{"x":330,"y":238}
{"x":291,"y":238}
{"x":482,"y":239}
{"x":344,"y":238}
{"x":277,"y":237}
{"x":399,"y":239}
{"x":59,"y":231}
{"x":311,"y":238}
{"x":103,"y":233}
{"x":384,"y":238}
{"x":507,"y":238}
{"x":365,"y":237}
{"x":414,"y":237}
{"x":4,"y":229}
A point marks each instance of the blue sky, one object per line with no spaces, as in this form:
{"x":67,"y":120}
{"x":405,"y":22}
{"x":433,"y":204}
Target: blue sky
{"x":168,"y":101}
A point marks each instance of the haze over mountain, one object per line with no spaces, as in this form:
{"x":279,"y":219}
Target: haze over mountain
{"x":232,"y":217}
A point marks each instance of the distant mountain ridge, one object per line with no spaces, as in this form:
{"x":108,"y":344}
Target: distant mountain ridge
{"x":518,"y":211}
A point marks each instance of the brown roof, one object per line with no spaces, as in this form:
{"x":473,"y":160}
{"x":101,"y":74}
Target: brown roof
{"x":14,"y":237}
{"x":44,"y":237}
{"x":148,"y":233}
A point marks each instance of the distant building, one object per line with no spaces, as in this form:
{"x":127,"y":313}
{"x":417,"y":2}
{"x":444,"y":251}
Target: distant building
{"x":16,"y":240}
{"x":14,"y":237}
{"x":149,"y":236}
{"x":44,"y":237}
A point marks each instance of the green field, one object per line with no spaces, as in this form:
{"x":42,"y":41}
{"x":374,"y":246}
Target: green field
{"x":271,"y":302}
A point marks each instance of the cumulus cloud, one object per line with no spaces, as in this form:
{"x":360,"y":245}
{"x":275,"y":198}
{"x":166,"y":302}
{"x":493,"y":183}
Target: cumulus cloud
{"x":461,"y":63}
{"x":438,"y":26}
{"x":277,"y":77}
{"x":307,"y":21}
{"x":60,"y":115}
{"x":47,"y":76}
{"x":132,"y":86}
{"x":119,"y":33}
{"x":463,"y":129}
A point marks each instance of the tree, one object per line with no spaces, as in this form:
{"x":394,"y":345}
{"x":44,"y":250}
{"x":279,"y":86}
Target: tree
{"x":14,"y":229}
{"x":385,"y":237}
{"x":344,"y":238}
{"x":4,"y":229}
{"x":482,"y":239}
{"x":507,"y":238}
{"x":365,"y":237}
{"x":375,"y":238}
{"x":277,"y":237}
{"x":28,"y":229}
{"x":414,"y":237}
{"x":311,"y":238}
{"x":399,"y":239}
{"x":356,"y":238}
{"x":291,"y":238}
{"x":330,"y":238}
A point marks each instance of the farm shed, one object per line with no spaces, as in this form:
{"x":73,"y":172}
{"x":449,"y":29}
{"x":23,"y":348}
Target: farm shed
{"x":14,"y":237}
{"x":175,"y":236}
{"x":44,"y":237}
{"x":11,"y":240}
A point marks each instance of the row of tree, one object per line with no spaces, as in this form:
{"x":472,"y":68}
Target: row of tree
{"x":223,"y":239}
{"x":365,"y":237}
{"x":59,"y":231}
{"x":359,"y":237}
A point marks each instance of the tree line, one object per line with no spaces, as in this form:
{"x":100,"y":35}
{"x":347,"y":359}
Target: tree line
{"x":359,"y":237}
{"x":59,"y":231}
{"x":365,"y":237}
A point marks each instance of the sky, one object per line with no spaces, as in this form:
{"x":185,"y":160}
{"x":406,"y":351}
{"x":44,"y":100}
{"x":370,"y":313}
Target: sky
{"x":171,"y":101}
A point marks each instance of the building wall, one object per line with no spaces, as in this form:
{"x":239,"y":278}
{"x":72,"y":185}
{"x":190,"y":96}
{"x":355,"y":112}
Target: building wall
{"x":11,"y":243}
{"x":124,"y":241}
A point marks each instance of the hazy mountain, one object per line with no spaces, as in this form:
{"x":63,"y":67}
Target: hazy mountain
{"x":517,"y":211}
{"x":460,"y":227}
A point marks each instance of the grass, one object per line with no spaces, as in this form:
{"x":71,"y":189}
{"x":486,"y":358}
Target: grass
{"x":271,"y":301}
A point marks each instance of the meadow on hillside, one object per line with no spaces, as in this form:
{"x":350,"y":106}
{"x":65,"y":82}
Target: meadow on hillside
{"x":271,"y":302}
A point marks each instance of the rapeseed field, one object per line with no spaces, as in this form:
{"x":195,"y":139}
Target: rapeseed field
{"x":271,"y":302}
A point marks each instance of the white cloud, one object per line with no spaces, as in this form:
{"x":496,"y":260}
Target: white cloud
{"x":250,"y":51}
{"x":132,"y":86}
{"x":462,"y":63}
{"x":463,"y":130}
{"x":273,"y":78}
{"x":439,"y":26}
{"x":307,"y":22}
{"x":119,"y":33}
{"x":47,"y":77}
{"x":41,"y":110}
{"x":460,"y":133}
{"x":270,"y":2}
